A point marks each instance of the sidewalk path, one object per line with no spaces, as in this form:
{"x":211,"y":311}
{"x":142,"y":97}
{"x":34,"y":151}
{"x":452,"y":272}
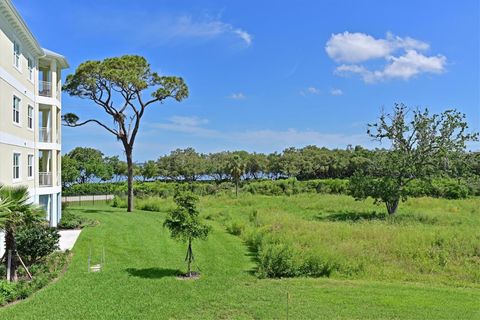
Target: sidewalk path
{"x":68,"y":239}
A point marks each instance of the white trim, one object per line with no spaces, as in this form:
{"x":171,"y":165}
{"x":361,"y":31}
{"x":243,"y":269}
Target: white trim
{"x":48,"y":101}
{"x":48,"y":190}
{"x":16,"y":84}
{"x":7,"y":138}
{"x":49,"y":146}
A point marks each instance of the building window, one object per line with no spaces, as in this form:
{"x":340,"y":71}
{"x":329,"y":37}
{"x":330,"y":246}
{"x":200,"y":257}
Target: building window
{"x":30,"y":117}
{"x":16,"y":166}
{"x":16,"y":109}
{"x":16,"y":54}
{"x":30,"y":165}
{"x":30,"y":69}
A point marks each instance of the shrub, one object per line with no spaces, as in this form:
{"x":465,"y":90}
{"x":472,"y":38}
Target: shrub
{"x":276,"y":260}
{"x":36,"y":241}
{"x":236,"y":228}
{"x":8,"y":291}
{"x":71,"y":220}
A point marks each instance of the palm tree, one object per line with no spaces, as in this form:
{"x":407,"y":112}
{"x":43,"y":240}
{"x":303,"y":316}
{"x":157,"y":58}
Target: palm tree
{"x":237,"y":169}
{"x":15,"y":211}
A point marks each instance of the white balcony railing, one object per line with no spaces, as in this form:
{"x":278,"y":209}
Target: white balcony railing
{"x":45,"y":134}
{"x":45,"y":179}
{"x":45,"y":88}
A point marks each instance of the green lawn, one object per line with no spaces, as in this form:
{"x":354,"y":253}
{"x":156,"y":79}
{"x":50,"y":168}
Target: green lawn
{"x":138,"y":279}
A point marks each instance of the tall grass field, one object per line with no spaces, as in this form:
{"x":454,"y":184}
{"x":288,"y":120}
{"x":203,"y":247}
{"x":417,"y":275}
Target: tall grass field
{"x":306,"y":256}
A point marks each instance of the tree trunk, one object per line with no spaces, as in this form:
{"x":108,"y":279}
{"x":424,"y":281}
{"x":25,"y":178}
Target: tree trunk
{"x":10,"y":245}
{"x":236,"y":188}
{"x":128,"y":153}
{"x":189,"y":257}
{"x":392,"y":206}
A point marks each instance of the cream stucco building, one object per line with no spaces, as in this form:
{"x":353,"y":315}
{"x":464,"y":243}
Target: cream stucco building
{"x":30,"y":113}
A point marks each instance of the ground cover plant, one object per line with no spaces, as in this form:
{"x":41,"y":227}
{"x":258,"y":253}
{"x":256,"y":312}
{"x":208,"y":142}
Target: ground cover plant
{"x":431,"y":240}
{"x":138,"y":280}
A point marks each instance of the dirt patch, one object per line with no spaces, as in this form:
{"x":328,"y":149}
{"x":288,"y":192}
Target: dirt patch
{"x":191,"y":276}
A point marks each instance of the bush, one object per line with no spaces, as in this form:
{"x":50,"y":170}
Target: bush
{"x":72,"y":221}
{"x":43,"y":273}
{"x":36,"y":241}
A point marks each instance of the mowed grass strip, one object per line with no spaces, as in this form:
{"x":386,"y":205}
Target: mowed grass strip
{"x":138,"y":282}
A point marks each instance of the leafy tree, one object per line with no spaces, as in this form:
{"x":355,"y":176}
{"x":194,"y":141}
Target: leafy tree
{"x":422,"y":146}
{"x":185,"y":164}
{"x":89,"y":163}
{"x":70,"y":171}
{"x":184,"y":223}
{"x":119,"y":167}
{"x":217,"y":165}
{"x":236,"y":169}
{"x":118,"y":87}
{"x":149,"y":170}
{"x":256,"y":164}
{"x":15,"y":211}
{"x":289,"y":162}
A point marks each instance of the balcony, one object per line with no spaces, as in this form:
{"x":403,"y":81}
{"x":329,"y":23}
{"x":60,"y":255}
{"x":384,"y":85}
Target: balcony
{"x":45,"y":88}
{"x":45,"y":179}
{"x":45,"y":134}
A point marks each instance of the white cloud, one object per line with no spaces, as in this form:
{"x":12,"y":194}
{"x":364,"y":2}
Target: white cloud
{"x":359,"y":47}
{"x":159,"y":28}
{"x":413,"y":63}
{"x":192,"y":125}
{"x":280,"y":139}
{"x":186,"y":26}
{"x":404,"y":67}
{"x":260,"y":140}
{"x":355,"y":48}
{"x":238,"y":96}
{"x":310,"y":90}
{"x":336,"y":92}
{"x":245,"y":36}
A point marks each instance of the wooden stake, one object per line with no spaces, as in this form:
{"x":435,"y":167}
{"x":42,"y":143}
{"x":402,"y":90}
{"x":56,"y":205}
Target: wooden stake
{"x":24,"y":266}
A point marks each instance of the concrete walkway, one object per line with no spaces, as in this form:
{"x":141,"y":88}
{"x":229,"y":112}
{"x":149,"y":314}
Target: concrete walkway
{"x":68,"y":239}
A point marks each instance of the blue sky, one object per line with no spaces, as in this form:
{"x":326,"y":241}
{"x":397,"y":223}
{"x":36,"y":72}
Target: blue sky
{"x":266,"y":75}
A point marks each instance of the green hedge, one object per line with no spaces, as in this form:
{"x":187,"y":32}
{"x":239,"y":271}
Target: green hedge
{"x":439,"y":188}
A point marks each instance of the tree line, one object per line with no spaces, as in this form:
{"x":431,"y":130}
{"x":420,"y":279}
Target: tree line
{"x":83,"y":165}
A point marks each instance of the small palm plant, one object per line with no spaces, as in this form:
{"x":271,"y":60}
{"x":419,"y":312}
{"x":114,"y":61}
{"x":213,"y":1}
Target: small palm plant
{"x":15,"y":211}
{"x":185,"y":225}
{"x":236,"y":168}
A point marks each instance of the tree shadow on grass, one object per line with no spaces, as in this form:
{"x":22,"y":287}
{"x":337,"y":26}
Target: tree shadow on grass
{"x":354,"y":216}
{"x":153,"y":273}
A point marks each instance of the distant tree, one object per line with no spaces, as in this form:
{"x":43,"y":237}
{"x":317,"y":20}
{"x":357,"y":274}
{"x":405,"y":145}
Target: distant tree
{"x":274,"y":167}
{"x":186,"y":163}
{"x":149,"y":170}
{"x":422,"y":146}
{"x":70,"y":171}
{"x":117,"y":85}
{"x":89,"y":163}
{"x":256,"y":165}
{"x":115,"y":167}
{"x":15,"y":211}
{"x":289,"y":162}
{"x":184,"y":223}
{"x":217,"y":165}
{"x":236,"y":169}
